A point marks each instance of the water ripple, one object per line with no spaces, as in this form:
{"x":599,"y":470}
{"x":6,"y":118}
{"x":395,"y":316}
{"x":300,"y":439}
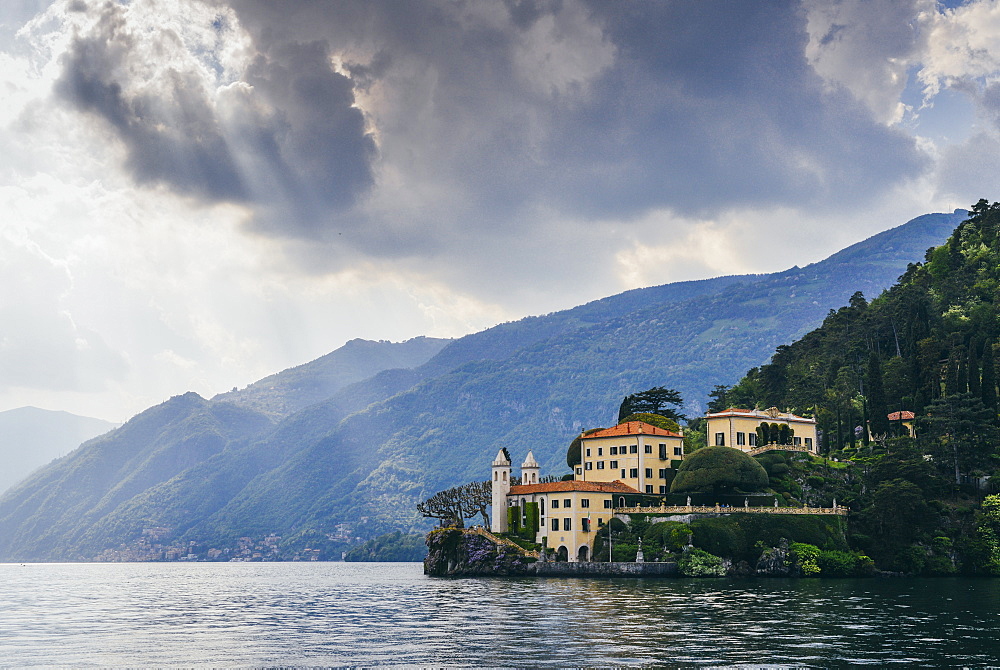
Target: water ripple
{"x":336,"y":614}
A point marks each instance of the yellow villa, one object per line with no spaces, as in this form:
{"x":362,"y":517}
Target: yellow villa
{"x":619,"y":467}
{"x":737,"y":428}
{"x":634,"y":453}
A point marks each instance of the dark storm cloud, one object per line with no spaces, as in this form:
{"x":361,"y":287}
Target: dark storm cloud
{"x":291,"y":144}
{"x":500,"y":110}
{"x":170,"y":132}
{"x":713,"y":104}
{"x":706,"y":105}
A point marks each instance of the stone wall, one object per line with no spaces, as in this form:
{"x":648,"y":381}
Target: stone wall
{"x":605,"y":569}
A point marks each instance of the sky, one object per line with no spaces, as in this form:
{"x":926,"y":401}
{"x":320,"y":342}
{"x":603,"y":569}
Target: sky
{"x":195,"y":194}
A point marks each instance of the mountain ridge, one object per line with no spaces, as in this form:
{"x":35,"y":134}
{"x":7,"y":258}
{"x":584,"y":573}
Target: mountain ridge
{"x":531,"y":384}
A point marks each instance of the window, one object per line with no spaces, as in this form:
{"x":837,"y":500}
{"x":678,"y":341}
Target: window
{"x":600,"y":521}
{"x":588,"y":452}
{"x":797,"y":441}
{"x":585,"y":502}
{"x":613,"y":465}
{"x":662,"y":472}
{"x":633,"y":473}
{"x":541,"y":506}
{"x":741,"y":439}
{"x":590,"y":465}
{"x":663,"y":489}
{"x":634,"y":449}
{"x":585,"y":525}
{"x":607,"y":504}
{"x":720,"y":439}
{"x":649,"y":488}
{"x":648,"y":448}
{"x":567,"y":523}
{"x":614,"y":451}
{"x":753,"y":439}
{"x":555,"y":524}
{"x":566,"y":503}
{"x":649,"y":473}
{"x":809,"y":442}
{"x":663,"y":452}
{"x":600,"y":451}
{"x":555,"y":504}
{"x":678,"y":451}
{"x":579,"y":471}
{"x":600,"y":465}
{"x":623,"y":473}
{"x":621,"y":501}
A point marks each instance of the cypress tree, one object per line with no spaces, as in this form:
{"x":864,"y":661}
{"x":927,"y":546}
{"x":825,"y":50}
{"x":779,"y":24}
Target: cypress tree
{"x":989,"y":389}
{"x":878,"y":408}
{"x":974,"y":387}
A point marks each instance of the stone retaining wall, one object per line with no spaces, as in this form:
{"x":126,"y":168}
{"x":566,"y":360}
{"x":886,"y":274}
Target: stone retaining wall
{"x":605,"y":569}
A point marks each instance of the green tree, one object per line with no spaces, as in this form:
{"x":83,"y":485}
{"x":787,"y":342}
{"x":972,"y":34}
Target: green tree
{"x":657,"y":420}
{"x":654,"y":401}
{"x":988,"y":391}
{"x":700,"y":563}
{"x":574,"y":455}
{"x":719,"y":470}
{"x":718,"y":402}
{"x":988,"y":535}
{"x":898,"y":513}
{"x":878,"y":409}
{"x":452,"y":506}
{"x":961,"y":432}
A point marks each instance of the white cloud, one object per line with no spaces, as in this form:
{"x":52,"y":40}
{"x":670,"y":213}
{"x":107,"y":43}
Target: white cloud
{"x":867,"y":48}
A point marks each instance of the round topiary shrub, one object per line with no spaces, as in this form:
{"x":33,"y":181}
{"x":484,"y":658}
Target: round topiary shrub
{"x":719,"y":470}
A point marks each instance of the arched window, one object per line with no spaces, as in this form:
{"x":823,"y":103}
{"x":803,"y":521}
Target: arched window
{"x":621,"y":502}
{"x":505,"y":476}
{"x":496,"y":476}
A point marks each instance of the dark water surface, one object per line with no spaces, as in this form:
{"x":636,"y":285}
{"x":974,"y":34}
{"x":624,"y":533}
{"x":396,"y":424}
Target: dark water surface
{"x":334,"y":614}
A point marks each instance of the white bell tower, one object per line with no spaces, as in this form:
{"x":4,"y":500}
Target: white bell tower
{"x":501,"y":487}
{"x":529,"y":470}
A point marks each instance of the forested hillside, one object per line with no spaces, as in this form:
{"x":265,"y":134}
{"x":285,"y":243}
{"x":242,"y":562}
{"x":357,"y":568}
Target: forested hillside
{"x":927,"y":346}
{"x":353,"y":465}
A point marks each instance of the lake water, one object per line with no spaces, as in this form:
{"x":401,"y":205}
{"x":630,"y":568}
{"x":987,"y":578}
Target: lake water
{"x":336,"y":614}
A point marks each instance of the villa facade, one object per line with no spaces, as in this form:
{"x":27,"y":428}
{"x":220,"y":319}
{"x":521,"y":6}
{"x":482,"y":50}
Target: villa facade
{"x":737,"y":428}
{"x":620,"y":467}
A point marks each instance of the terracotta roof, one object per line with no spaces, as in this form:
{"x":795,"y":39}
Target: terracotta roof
{"x":573,"y":485}
{"x":760,"y":414}
{"x":631,"y":428}
{"x":904,"y":415}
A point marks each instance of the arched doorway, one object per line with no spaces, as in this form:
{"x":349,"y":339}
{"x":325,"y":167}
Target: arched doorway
{"x":562,"y":555}
{"x":584,"y":554}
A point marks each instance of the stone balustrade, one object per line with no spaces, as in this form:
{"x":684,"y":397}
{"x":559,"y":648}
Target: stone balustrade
{"x":496,"y":539}
{"x":720,"y":509}
{"x":757,"y":451}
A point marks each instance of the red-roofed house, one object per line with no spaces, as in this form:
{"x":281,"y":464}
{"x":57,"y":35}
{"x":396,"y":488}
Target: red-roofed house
{"x":619,"y":467}
{"x":635,"y":453}
{"x":905,"y":419}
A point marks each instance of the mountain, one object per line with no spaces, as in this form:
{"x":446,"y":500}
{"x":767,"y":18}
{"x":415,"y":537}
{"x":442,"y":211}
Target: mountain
{"x":355,"y":463}
{"x":289,"y":391}
{"x":31,"y":437}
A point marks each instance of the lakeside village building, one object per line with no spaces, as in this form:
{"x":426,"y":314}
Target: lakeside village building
{"x":628,"y":465}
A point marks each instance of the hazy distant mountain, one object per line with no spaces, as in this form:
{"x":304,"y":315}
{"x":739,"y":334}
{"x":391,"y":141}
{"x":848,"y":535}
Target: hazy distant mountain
{"x":371,"y":450}
{"x":31,"y":437}
{"x":288,"y":391}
